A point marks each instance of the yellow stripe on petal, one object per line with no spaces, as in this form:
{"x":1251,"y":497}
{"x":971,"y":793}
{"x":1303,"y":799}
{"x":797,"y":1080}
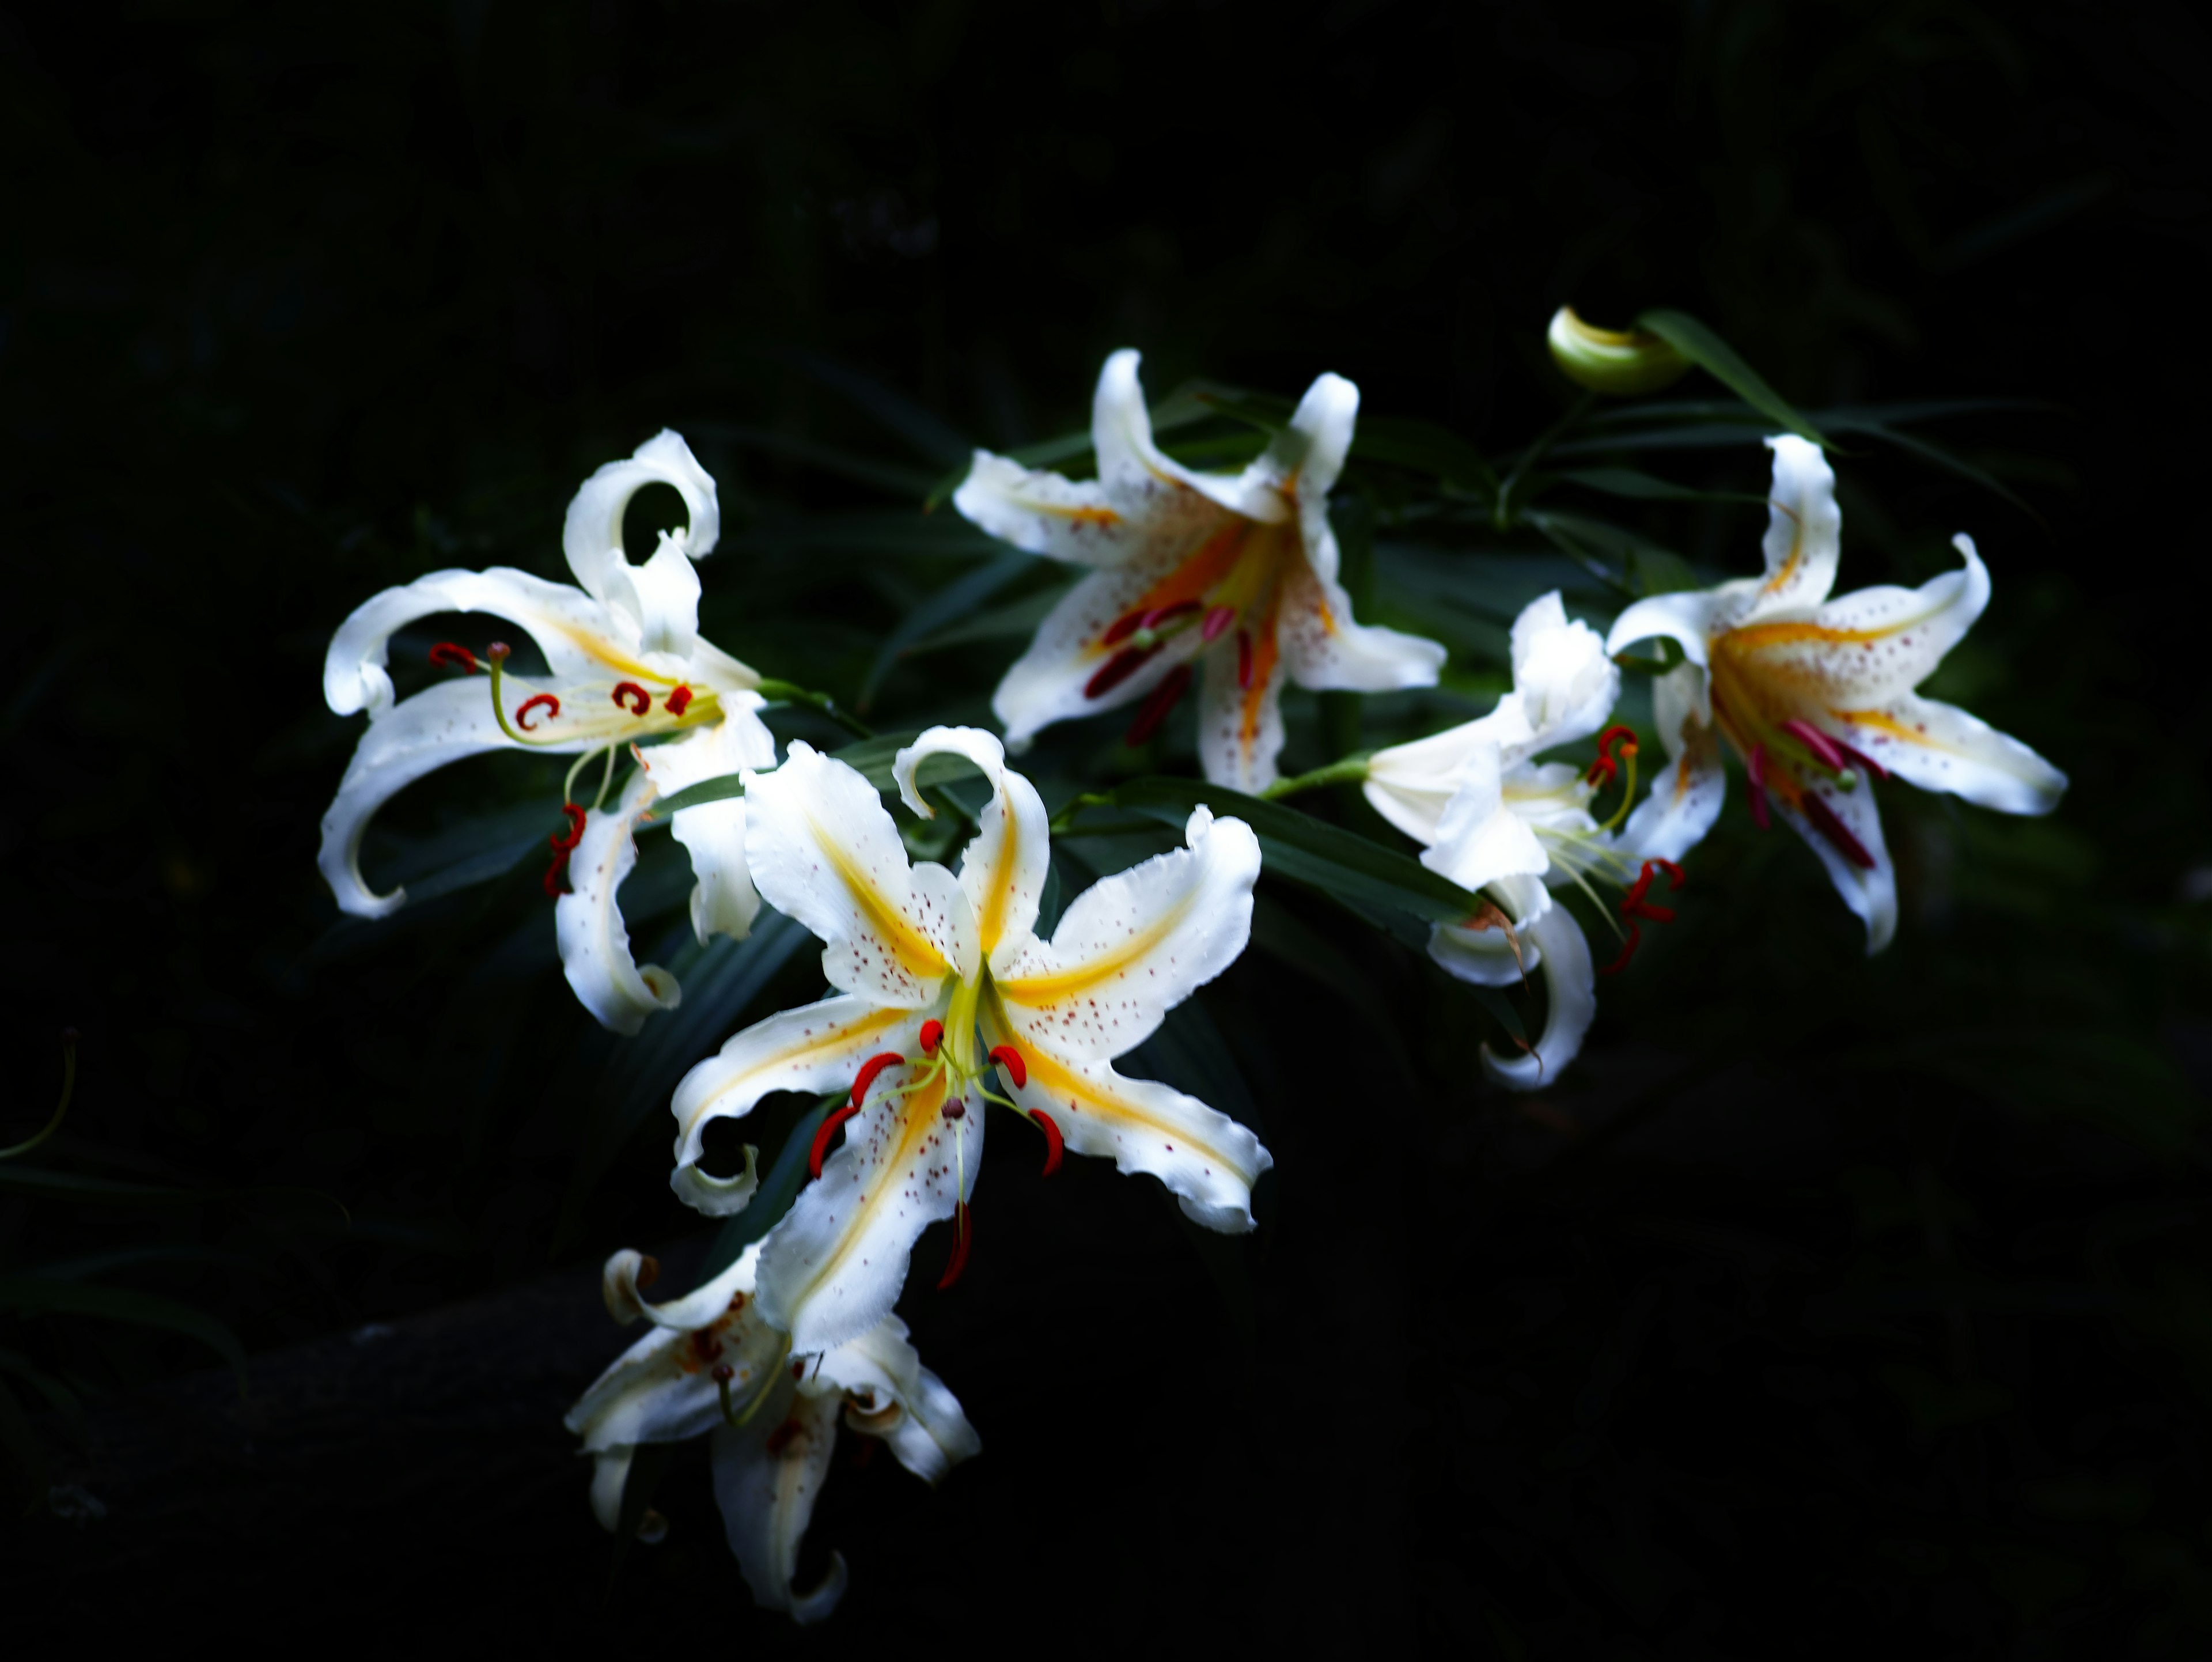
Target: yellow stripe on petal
{"x":1039,"y":991}
{"x":917,"y":953}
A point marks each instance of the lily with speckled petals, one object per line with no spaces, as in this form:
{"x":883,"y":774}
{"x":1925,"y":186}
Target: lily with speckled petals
{"x":947,"y":1000}
{"x":711,"y":1365}
{"x":625,"y":665}
{"x":1816,"y":696}
{"x":1237,"y":572}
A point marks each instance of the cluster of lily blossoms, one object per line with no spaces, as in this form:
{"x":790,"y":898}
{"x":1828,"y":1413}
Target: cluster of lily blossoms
{"x":945,"y":1000}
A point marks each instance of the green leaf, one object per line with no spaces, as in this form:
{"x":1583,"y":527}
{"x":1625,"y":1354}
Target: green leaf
{"x":1648,"y":487}
{"x":37,"y":1296}
{"x":865,"y":470}
{"x":955,"y":601}
{"x":1015,"y":618}
{"x":1310,"y":852}
{"x":1424,"y":448}
{"x":1717,"y":359}
{"x":1928,"y":451}
{"x":871,"y":757}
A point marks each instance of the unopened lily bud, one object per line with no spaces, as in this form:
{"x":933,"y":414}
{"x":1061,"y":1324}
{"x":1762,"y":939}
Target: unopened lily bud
{"x":1611,"y":361}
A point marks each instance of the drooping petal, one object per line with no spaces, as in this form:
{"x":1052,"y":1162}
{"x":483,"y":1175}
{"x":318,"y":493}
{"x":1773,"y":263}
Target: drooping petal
{"x":440,"y":724}
{"x":662,"y":1389}
{"x":1804,"y":531}
{"x":661,"y":597}
{"x":723,"y":900}
{"x":1686,"y":796}
{"x":610,"y":1477}
{"x":1571,"y":989}
{"x":1564,"y":683}
{"x":588,"y":925}
{"x":890,"y":1395}
{"x":1484,"y":955}
{"x":1850,"y":846}
{"x":1131,"y":465}
{"x":1003,"y":870}
{"x":1325,"y":649}
{"x":1939,"y":747}
{"x":1134,"y":946}
{"x":824,"y":851}
{"x":1480,"y":839}
{"x":1687,"y":619}
{"x":817,"y":1047}
{"x":576,"y":633}
{"x":1206,"y":1159}
{"x":1240,"y":712}
{"x":1869,"y":647}
{"x":833,"y":1268}
{"x":769,"y":1473}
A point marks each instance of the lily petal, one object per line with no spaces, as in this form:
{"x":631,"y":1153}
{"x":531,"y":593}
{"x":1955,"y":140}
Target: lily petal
{"x":440,"y":724}
{"x":1003,"y":869}
{"x":890,"y":1395}
{"x":1130,"y":463}
{"x":1939,"y":747}
{"x":1326,"y":649}
{"x":723,"y":900}
{"x":1050,"y":681}
{"x":833,"y":1268}
{"x":576,"y":633}
{"x":1085,"y":521}
{"x":1480,"y":840}
{"x":1134,"y":946}
{"x":1685,"y":796}
{"x":1872,"y":645}
{"x":1564,"y":683}
{"x":824,"y":851}
{"x":1412,"y":784}
{"x":769,"y":1473}
{"x":1804,"y":531}
{"x":817,"y":1047}
{"x":1570,"y":988}
{"x":1206,"y":1159}
{"x":1240,"y":716}
{"x":661,"y":597}
{"x":1870,"y":889}
{"x":1687,"y":619}
{"x":588,"y":925}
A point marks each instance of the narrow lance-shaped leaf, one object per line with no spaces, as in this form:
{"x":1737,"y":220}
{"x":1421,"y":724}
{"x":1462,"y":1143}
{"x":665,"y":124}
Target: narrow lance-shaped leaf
{"x":1695,"y":342}
{"x":36,"y":1296}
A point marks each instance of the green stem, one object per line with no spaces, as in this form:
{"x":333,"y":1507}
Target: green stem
{"x":1089,"y":799}
{"x":1351,"y":770}
{"x":785,"y":692}
{"x":1502,"y":514}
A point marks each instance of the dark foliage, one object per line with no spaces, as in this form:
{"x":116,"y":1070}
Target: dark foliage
{"x":1825,"y":1302}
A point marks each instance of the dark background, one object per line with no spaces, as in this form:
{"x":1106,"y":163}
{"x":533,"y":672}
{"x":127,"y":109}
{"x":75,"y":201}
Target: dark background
{"x":1826,"y":1303}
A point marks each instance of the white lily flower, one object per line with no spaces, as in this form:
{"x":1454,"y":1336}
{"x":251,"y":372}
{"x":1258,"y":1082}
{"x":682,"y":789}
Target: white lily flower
{"x":1237,"y":569}
{"x":711,"y":1363}
{"x":626,"y":663}
{"x":943,"y":983}
{"x":1814,"y":693}
{"x":1501,"y":823}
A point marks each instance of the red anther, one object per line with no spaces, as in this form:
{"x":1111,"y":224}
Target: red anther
{"x":632,"y":697}
{"x":574,"y":834}
{"x":823,"y":1133}
{"x":1216,"y":620}
{"x":932,"y":1035}
{"x":964,"y":1233}
{"x":1839,"y":835}
{"x":780,"y":1438}
{"x":1756,"y":767}
{"x":1244,"y":660}
{"x":1627,"y":951}
{"x":552,"y":709}
{"x":874,"y":1065}
{"x":1117,"y":669}
{"x":556,"y":881}
{"x":1830,"y":753}
{"x":1649,"y":913}
{"x":1122,"y":628}
{"x":679,"y":701}
{"x":1010,"y":1059}
{"x":1604,"y":770}
{"x":1638,"y":890}
{"x":1053,"y":1144}
{"x":1673,"y":872}
{"x":447,"y":653}
{"x":1863,"y":759}
{"x":1160,"y":614}
{"x":1606,"y":767}
{"x":1162,"y":699}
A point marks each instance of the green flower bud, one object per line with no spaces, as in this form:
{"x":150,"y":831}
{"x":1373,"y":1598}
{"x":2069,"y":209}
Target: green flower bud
{"x":1608,"y":361}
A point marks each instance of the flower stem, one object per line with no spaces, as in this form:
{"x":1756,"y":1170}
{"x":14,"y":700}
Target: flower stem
{"x":1089,"y":799}
{"x":1502,"y":513}
{"x":1349,"y":771}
